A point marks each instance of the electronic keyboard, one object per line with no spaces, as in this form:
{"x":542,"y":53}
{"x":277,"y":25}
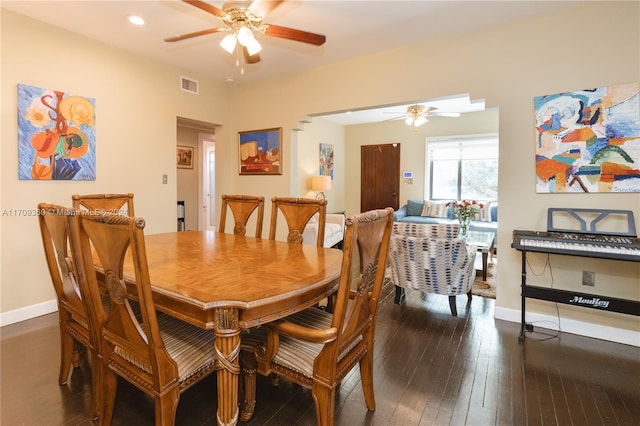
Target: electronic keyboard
{"x":578,"y":244}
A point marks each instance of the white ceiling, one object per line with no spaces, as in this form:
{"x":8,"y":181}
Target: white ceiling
{"x":352,"y":28}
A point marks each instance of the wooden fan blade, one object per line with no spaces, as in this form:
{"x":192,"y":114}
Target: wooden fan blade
{"x":263,"y":7}
{"x":250,"y":59}
{"x":206,"y":7}
{"x":194,"y":34}
{"x":296,"y":35}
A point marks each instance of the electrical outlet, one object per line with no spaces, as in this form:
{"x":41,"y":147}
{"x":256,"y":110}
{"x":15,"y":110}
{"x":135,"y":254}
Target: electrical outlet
{"x":165,"y":178}
{"x":588,"y":278}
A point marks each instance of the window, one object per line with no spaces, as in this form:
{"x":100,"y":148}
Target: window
{"x":462,"y":168}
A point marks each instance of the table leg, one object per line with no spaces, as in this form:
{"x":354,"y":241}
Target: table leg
{"x":485,"y":255}
{"x":227,"y":347}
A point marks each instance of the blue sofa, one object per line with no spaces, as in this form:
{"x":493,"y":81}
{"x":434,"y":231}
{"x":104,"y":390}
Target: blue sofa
{"x":412,"y":212}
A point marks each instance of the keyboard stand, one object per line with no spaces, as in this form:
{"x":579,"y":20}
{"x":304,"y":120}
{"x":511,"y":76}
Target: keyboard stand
{"x":587,"y":300}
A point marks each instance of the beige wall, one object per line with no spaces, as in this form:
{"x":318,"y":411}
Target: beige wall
{"x":507,"y":66}
{"x":137,"y":102}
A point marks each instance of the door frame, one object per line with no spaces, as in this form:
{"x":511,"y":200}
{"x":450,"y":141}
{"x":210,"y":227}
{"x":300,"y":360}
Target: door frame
{"x":206,"y":195}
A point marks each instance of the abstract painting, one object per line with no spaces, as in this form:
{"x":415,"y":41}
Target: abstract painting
{"x":589,"y":140}
{"x":261,"y":152}
{"x":56,"y":135}
{"x":326,"y":160}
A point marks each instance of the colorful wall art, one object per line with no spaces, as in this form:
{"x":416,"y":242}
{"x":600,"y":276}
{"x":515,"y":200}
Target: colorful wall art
{"x":589,"y":140}
{"x":326,"y":160}
{"x":261,"y":152}
{"x":56,"y":135}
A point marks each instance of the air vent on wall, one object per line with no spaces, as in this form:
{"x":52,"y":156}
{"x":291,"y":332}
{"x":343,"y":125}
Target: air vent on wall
{"x":189,"y":85}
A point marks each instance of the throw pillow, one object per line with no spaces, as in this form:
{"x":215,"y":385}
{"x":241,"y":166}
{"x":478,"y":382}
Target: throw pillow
{"x":434,"y":209}
{"x":484,"y":214}
{"x":414,"y":207}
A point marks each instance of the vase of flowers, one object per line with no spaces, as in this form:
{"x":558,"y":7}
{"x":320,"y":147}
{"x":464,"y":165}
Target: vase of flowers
{"x":465,"y":211}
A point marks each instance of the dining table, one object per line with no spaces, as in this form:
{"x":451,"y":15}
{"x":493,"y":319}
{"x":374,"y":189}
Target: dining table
{"x":227,"y":283}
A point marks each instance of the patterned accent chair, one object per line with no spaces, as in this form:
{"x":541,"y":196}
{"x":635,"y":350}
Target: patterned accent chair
{"x":431,"y":259}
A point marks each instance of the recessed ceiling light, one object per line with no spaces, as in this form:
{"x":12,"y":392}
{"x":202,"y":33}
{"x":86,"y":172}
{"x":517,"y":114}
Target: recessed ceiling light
{"x":136,"y":20}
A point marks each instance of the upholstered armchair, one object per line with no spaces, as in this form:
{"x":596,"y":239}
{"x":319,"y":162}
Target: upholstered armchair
{"x":431,"y":259}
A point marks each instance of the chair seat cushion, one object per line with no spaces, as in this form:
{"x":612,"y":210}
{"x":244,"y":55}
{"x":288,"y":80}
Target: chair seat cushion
{"x":296,"y":354}
{"x":192,"y":348}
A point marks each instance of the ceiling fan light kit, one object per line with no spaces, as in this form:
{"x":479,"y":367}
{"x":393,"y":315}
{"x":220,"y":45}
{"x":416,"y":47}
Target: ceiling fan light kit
{"x":417,"y":115}
{"x":242,"y":17}
{"x":245,"y":38}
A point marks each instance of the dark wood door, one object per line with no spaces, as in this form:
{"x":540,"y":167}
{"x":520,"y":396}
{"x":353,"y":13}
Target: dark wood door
{"x":379,"y":176}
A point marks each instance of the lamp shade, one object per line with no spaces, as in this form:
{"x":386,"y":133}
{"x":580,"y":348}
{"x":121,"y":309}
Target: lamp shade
{"x":321,"y":183}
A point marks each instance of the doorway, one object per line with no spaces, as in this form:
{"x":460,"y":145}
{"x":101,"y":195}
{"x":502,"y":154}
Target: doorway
{"x":207,"y":219}
{"x":379,"y":176}
{"x":195,"y":186}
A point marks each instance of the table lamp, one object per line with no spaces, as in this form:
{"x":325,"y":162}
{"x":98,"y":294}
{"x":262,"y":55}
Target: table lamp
{"x":321,"y":184}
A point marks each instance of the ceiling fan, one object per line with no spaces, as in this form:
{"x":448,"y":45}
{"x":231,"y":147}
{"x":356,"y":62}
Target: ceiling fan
{"x":242,"y":18}
{"x":417,"y":114}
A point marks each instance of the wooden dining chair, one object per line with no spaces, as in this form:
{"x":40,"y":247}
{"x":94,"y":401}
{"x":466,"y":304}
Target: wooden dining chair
{"x":104,"y":203}
{"x":317,"y":349}
{"x":159,"y":354}
{"x":242,"y":207}
{"x":72,"y":311}
{"x":298,"y":212}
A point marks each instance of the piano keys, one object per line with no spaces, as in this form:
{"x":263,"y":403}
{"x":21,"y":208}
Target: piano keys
{"x":575,"y":244}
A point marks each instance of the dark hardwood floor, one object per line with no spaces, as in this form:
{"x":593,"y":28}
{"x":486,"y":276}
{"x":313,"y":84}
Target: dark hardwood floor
{"x":431,"y":369}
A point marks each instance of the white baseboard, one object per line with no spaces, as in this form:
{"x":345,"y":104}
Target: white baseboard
{"x":611,"y":334}
{"x":28,"y":312}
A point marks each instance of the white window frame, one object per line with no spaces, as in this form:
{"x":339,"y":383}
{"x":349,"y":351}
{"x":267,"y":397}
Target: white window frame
{"x":483,"y":138}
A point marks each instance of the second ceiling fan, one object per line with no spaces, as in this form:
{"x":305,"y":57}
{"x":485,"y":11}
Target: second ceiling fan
{"x":416,"y":115}
{"x":242,"y":18}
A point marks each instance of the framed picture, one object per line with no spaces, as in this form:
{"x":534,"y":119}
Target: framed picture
{"x":326,"y":160}
{"x":185,"y":157}
{"x":261,"y":152}
{"x":56,"y":134}
{"x":589,"y":140}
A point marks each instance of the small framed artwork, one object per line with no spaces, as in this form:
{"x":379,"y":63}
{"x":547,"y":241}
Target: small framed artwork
{"x":326,"y":160}
{"x":184,"y":157}
{"x":261,"y":152}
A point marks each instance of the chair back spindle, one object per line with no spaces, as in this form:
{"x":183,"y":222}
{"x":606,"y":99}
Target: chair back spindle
{"x":242,"y":207}
{"x":297,"y":213}
{"x":105,"y":203}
